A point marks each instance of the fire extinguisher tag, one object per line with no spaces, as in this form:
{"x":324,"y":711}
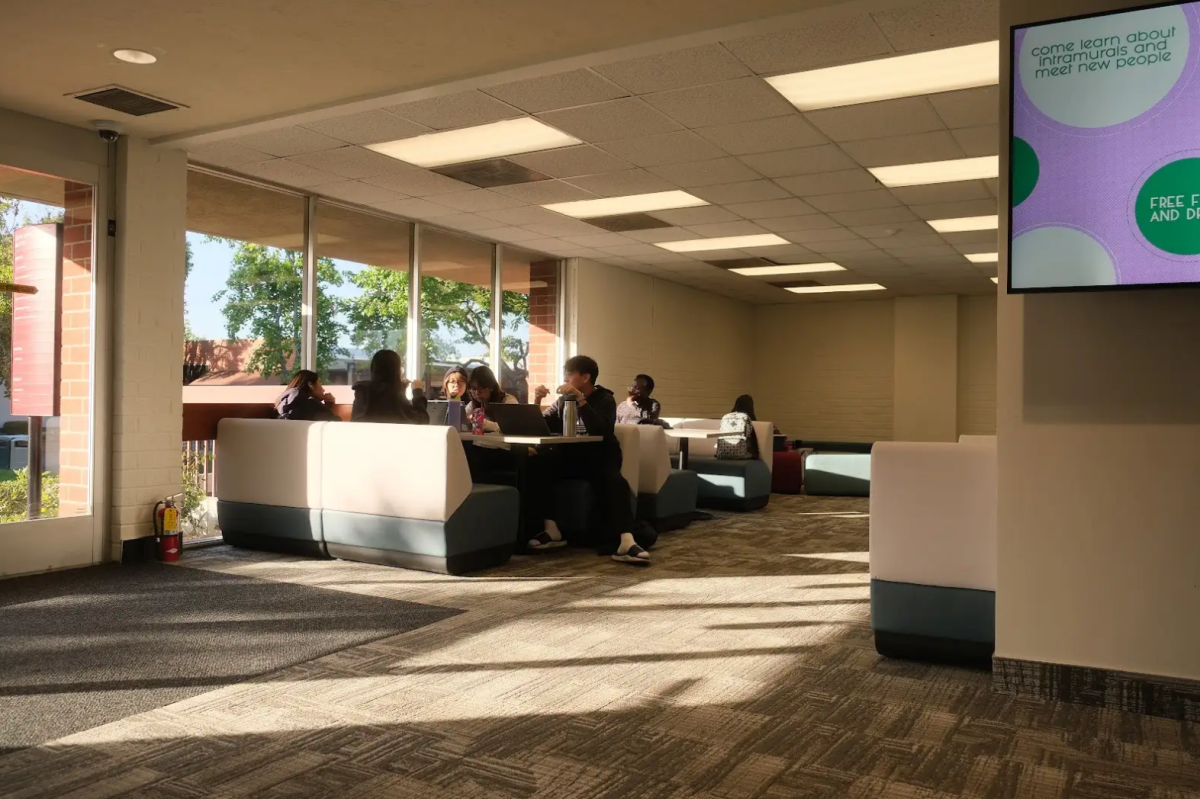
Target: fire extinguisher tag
{"x":170,"y":521}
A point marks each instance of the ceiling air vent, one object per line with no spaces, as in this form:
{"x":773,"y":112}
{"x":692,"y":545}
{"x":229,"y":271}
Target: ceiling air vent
{"x":118,"y":98}
{"x":491,"y":173}
{"x":624,"y":223}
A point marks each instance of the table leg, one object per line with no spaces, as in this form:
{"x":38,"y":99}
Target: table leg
{"x":683,"y":454}
{"x":520,"y":454}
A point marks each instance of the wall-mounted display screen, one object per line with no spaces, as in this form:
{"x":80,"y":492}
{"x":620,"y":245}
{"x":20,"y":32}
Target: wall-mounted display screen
{"x":1105,"y":151}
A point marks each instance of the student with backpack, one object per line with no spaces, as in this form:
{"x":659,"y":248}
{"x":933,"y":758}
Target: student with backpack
{"x":738,"y":441}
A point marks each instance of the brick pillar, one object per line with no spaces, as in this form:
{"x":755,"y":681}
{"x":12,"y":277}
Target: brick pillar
{"x":75,"y":386}
{"x":544,"y":368}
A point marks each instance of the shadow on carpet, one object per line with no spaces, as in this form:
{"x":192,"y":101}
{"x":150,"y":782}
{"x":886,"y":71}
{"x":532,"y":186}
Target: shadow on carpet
{"x":82,"y":648}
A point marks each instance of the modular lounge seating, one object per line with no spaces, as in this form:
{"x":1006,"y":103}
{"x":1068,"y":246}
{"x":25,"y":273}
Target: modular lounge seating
{"x":933,"y":550}
{"x":738,"y":485}
{"x":575,"y":509}
{"x":666,"y":497}
{"x":397,"y":495}
{"x":836,"y":468}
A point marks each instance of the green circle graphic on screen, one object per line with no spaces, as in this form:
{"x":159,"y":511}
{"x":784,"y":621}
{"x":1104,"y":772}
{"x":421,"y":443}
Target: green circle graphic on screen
{"x":1025,"y":171}
{"x":1168,"y":208}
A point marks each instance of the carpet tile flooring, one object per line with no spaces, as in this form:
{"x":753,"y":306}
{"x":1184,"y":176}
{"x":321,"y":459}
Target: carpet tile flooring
{"x":739,"y":665}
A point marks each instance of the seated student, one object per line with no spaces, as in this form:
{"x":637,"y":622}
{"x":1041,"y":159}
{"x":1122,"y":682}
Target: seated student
{"x":305,"y":399}
{"x":598,"y":463}
{"x":639,"y":408}
{"x":382,"y":399}
{"x":482,"y":390}
{"x":454,"y":384}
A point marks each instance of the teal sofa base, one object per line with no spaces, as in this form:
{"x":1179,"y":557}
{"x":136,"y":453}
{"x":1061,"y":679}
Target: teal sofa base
{"x":462,"y":563}
{"x":933,"y":623}
{"x":837,"y":474}
{"x":290,"y":531}
{"x":732,"y":485}
{"x":672,"y":508}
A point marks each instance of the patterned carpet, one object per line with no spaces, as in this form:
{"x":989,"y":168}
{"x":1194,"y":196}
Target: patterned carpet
{"x":739,"y":665}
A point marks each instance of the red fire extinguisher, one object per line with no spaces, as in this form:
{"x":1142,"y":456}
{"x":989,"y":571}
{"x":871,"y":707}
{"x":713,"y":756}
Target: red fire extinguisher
{"x":166,"y":530}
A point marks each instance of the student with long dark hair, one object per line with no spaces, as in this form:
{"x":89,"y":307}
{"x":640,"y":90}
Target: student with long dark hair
{"x":745,"y":404}
{"x":382,"y":398}
{"x":306,"y":400}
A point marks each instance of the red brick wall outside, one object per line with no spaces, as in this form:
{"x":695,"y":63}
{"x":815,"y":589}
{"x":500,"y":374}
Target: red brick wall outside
{"x":75,"y":414}
{"x":544,"y":368}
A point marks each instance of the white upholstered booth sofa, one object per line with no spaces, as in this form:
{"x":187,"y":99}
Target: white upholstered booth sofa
{"x":394,"y":494}
{"x":728,"y":484}
{"x":933,"y":549}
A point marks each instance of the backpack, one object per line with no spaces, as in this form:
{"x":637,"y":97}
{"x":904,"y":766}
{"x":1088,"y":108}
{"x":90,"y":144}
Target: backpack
{"x":737,"y":441}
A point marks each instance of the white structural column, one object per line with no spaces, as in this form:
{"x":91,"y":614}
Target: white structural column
{"x":496,"y":332}
{"x":151,"y":216}
{"x":413,"y":361}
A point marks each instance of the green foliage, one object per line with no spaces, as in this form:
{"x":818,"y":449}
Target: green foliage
{"x":193,"y":516}
{"x":14,"y":497}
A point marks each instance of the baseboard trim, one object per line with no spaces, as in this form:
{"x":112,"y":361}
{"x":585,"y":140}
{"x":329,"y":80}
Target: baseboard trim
{"x":1148,"y":695}
{"x":454,"y":564}
{"x":902,"y":646}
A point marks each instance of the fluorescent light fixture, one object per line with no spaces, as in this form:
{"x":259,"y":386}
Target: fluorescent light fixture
{"x":996,"y":280}
{"x":494,"y":140}
{"x":134,"y":56}
{"x":726,"y":243}
{"x":630,"y":204}
{"x":895,"y":177}
{"x":983,"y":257}
{"x":833,"y":289}
{"x":887,"y":78}
{"x":965,"y":223}
{"x":785,"y":269}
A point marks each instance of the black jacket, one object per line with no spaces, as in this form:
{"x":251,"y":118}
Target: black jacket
{"x":597,"y":417}
{"x":299,"y":405}
{"x":394,"y":409}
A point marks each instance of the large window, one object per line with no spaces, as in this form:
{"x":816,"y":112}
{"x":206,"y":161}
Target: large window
{"x":456,"y":313}
{"x":530,"y":330}
{"x":45,"y":346}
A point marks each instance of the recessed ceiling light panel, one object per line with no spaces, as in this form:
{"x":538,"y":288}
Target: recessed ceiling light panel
{"x":835,"y":289}
{"x":926,"y":174}
{"x":630,"y":204}
{"x":494,"y":140}
{"x":888,"y":78}
{"x":788,"y":269}
{"x":996,"y":280}
{"x":134,"y":56}
{"x":983,"y":257}
{"x":726,"y":243}
{"x":965,"y":223}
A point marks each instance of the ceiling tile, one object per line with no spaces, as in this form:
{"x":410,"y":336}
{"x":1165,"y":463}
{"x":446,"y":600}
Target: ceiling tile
{"x":369,"y":127}
{"x":968,"y":108}
{"x":563,"y":90}
{"x":813,"y":236}
{"x":564,"y":227}
{"x":616,"y":119}
{"x":912,"y":149}
{"x":793,"y":253}
{"x":618,"y":184}
{"x":978,"y":141}
{"x":227,"y":154}
{"x":720,"y":229}
{"x":288,"y":173}
{"x":287,"y":141}
{"x":763,"y":135}
{"x":923,"y":254}
{"x":352,"y":162}
{"x":636,"y":251}
{"x":469,"y":222}
{"x":942,"y":192}
{"x":772,"y":209}
{"x":708,"y":214}
{"x":661,"y":234}
{"x":906,"y":241}
{"x":746,"y":192}
{"x":785,"y":163}
{"x":993,"y":186}
{"x":415,"y":208}
{"x":788,"y":224}
{"x":987,"y":239}
{"x":542,"y":192}
{"x":738,"y":100}
{"x":663,"y":257}
{"x":509,"y":234}
{"x":353,"y":191}
{"x":938,"y":24}
{"x":826,"y":43}
{"x":598,"y":240}
{"x":664,"y":148}
{"x":878,"y":216}
{"x":842,"y":245}
{"x":526,"y":215}
{"x":877,"y":120}
{"x":571,"y":162}
{"x":830,"y":182}
{"x":419,"y":183}
{"x":854,"y":201}
{"x":956,"y":210}
{"x":886,"y":231}
{"x":477,"y":200}
{"x":705,"y":173}
{"x":675,"y":70}
{"x":462,"y":110}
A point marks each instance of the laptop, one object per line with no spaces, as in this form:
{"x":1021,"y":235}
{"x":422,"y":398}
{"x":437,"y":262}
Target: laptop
{"x":447,"y":414}
{"x":518,"y":420}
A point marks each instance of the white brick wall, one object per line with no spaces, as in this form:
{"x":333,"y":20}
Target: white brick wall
{"x":147,"y":334}
{"x":977,"y":365}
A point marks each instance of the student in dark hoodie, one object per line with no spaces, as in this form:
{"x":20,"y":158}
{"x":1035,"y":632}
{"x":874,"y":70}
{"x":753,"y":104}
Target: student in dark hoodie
{"x":382,"y":398}
{"x":598,"y":463}
{"x":305,"y":399}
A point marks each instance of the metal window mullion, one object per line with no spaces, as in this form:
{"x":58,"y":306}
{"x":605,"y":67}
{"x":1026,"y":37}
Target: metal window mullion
{"x":308,"y":306}
{"x":412,"y":361}
{"x":497,"y":326}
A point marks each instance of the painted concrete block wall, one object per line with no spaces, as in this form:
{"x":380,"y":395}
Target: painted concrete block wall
{"x":977,"y":366}
{"x":147,"y":333}
{"x":925,"y":370}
